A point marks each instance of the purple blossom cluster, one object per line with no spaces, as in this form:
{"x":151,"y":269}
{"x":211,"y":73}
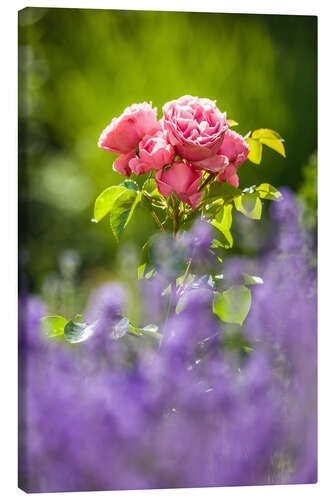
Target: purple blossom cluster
{"x":211,"y":404}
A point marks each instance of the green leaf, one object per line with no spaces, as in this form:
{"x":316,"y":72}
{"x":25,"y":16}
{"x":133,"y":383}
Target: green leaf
{"x":252,"y":280}
{"x":265,"y":136}
{"x":271,"y":139}
{"x":130,"y":184}
{"x":122,"y":211}
{"x":53,"y":326}
{"x":268,"y":192}
{"x":223,"y":191}
{"x":141,"y":270}
{"x":77,"y":332}
{"x":233,"y":305}
{"x":255,"y":154}
{"x":150,"y":187}
{"x":78,"y":318}
{"x":223,"y":222}
{"x":250,"y":205}
{"x":150,"y":330}
{"x":120,"y":329}
{"x":145,"y":269}
{"x":105,"y":200}
{"x":237,"y":342}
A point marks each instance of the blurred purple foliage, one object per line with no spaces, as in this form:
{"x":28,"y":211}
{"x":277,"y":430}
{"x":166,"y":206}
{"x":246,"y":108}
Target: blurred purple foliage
{"x":191,"y":412}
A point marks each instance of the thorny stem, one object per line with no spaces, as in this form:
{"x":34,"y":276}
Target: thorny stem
{"x":157,"y":220}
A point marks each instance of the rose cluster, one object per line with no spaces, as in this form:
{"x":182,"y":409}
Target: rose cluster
{"x":192,"y":138}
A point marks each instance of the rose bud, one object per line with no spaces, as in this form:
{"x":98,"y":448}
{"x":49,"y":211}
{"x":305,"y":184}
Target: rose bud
{"x":155,"y":152}
{"x":182,"y":179}
{"x":195,"y":127}
{"x":125,"y":132}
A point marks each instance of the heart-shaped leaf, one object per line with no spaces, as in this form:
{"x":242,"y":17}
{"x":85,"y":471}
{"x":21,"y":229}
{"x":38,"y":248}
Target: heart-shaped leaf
{"x":233,"y":305}
{"x":250,"y":205}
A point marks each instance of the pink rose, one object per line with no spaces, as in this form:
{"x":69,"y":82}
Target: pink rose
{"x":124,"y":133}
{"x":195,"y":126}
{"x":234,"y":148}
{"x":122,"y":164}
{"x":155,"y":152}
{"x":214,"y":164}
{"x":182,"y":179}
{"x":229,"y":175}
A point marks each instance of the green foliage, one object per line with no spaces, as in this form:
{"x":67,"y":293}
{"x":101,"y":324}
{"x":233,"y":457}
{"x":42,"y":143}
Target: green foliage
{"x":221,"y":191}
{"x":122,"y":211}
{"x":53,"y":326}
{"x":255,"y":154}
{"x":76,"y":332}
{"x":308,"y":192}
{"x":249,"y":204}
{"x":268,"y":192}
{"x":223,"y":222}
{"x":252,"y":280}
{"x":237,"y":342}
{"x":130,"y":184}
{"x":150,"y":330}
{"x":265,"y":136}
{"x":104,"y":202}
{"x":233,"y":305}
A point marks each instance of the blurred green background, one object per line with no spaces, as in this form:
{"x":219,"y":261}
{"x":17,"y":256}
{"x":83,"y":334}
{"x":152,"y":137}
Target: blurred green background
{"x":80,"y":68}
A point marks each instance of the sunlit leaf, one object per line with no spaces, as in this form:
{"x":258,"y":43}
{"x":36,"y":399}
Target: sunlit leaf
{"x":270,"y":138}
{"x":255,"y":154}
{"x":268,"y":192}
{"x":122,"y":211}
{"x":105,"y":200}
{"x":252,"y":280}
{"x":76,"y":332}
{"x":233,"y":305}
{"x":223,"y":191}
{"x":250,"y":205}
{"x":223,"y":222}
{"x":141,"y":270}
{"x":266,"y":133}
{"x":232,"y":123}
{"x":53,"y":326}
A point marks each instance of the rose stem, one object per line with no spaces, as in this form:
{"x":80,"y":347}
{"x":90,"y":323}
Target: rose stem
{"x":175,"y":221}
{"x":209,"y":178}
{"x":157,"y":220}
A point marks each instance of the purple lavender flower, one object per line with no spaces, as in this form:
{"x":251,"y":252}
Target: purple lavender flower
{"x":189,"y":412}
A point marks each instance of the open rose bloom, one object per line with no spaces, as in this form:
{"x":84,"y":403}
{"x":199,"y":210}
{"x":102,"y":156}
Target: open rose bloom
{"x":191,"y":141}
{"x":196,"y":127}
